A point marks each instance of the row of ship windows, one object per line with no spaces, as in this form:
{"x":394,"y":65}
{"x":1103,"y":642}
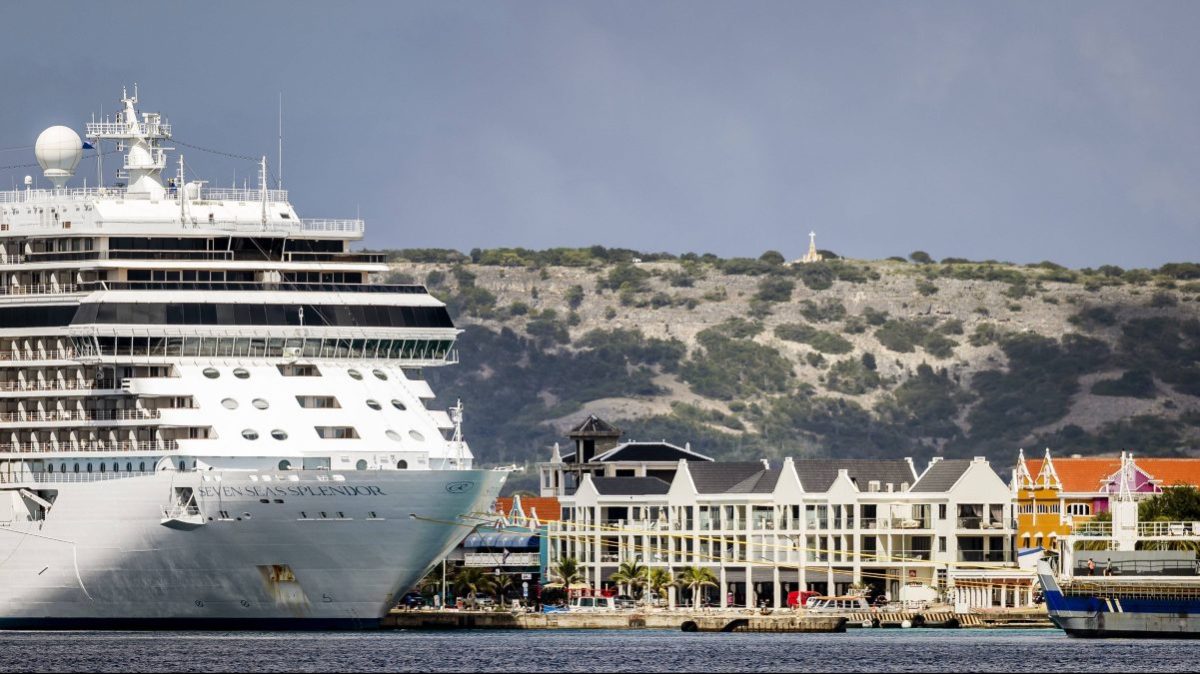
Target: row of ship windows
{"x":243,"y":373}
{"x":311,"y":402}
{"x":334,"y":433}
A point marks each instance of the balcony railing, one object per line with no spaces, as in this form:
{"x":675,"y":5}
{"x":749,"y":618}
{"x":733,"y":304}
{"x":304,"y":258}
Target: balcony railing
{"x":89,"y":447}
{"x":76,"y":415}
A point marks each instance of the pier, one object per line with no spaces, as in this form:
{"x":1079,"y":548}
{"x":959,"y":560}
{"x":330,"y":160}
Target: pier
{"x":709,"y":621}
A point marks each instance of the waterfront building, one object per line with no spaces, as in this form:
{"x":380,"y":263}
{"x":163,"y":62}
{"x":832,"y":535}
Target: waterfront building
{"x":1053,"y":495}
{"x":766,"y":528}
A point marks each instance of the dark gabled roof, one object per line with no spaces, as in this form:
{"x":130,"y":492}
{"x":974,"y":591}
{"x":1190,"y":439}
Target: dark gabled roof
{"x":711,"y":477}
{"x":761,"y":483}
{"x":594,"y":426}
{"x":630,"y":486}
{"x":648,"y":451}
{"x":942,"y":475}
{"x":817,"y":475}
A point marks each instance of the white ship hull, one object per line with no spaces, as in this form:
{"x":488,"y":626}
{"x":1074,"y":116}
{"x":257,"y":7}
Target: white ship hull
{"x":105,"y":556}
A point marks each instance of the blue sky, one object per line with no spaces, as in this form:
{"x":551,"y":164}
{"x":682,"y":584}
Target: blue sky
{"x":1020,"y":131}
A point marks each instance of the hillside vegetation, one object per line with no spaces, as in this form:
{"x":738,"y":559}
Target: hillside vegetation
{"x":747,"y":358}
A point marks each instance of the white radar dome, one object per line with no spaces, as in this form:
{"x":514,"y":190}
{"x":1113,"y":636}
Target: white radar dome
{"x":58,"y":151}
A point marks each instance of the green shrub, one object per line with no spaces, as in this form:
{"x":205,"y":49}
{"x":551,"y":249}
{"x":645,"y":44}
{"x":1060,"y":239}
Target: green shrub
{"x":1131,"y":384}
{"x":825,"y":312}
{"x":775,"y":289}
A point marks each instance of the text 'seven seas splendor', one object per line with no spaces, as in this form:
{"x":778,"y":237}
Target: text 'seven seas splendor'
{"x":208,"y":415}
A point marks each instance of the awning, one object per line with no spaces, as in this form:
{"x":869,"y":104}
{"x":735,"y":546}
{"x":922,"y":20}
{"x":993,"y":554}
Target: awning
{"x":500,"y":539}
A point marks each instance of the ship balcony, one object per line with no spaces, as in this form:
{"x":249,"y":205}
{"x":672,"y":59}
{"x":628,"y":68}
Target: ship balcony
{"x":72,"y":418}
{"x":89,"y":447}
{"x":58,"y":387}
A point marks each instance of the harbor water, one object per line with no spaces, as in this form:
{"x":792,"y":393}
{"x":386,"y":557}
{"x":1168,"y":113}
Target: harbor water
{"x":916,"y":650}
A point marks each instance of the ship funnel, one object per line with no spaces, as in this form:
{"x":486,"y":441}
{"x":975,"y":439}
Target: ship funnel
{"x":58,"y":151}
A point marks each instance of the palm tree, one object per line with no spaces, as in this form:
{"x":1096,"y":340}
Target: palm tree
{"x":632,"y":574}
{"x":695,"y":578}
{"x":469,"y":581}
{"x":566,"y":573}
{"x":658,"y":580}
{"x":500,"y":584}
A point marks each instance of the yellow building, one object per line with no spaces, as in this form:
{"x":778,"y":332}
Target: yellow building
{"x":1052,"y":495}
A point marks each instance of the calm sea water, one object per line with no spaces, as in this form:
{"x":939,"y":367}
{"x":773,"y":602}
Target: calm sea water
{"x":586,"y":651}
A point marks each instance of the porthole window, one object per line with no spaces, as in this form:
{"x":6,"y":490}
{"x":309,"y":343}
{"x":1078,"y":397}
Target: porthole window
{"x":250,"y":434}
{"x":361,"y":465}
{"x":211,"y":372}
{"x":261,"y":404}
{"x":354,"y":374}
{"x":374,"y":404}
{"x":380,"y":375}
{"x":241,"y":373}
{"x":279,"y":434}
{"x":402,"y":464}
{"x":229,"y":404}
{"x":416,"y":436}
{"x":392,"y":435}
{"x":285,"y":465}
{"x":398,"y":405}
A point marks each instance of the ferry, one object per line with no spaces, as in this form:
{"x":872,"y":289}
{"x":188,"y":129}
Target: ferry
{"x":209,"y":414}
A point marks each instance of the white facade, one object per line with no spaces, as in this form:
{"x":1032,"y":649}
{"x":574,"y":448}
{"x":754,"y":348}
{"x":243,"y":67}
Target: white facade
{"x":782,"y":537}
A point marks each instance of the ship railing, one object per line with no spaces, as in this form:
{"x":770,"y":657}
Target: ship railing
{"x":90,"y":447}
{"x":55,"y":385}
{"x":76,"y":415}
{"x":239,"y":194}
{"x":59,"y":478}
{"x":38,"y":289}
{"x":55,"y":354}
{"x":343,"y":226}
{"x":180,"y":511}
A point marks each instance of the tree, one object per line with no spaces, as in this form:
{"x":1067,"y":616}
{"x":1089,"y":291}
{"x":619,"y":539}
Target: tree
{"x":695,"y":578}
{"x":566,"y":573}
{"x":631,"y":573}
{"x":658,"y":580}
{"x":469,"y":581}
{"x":920,"y":257}
{"x":772,"y":257}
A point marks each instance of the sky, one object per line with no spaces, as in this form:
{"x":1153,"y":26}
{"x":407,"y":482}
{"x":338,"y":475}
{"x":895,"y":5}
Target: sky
{"x":1022,"y":131}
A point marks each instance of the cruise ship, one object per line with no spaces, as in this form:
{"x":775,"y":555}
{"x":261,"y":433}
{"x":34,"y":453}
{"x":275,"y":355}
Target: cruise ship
{"x":209,"y":414}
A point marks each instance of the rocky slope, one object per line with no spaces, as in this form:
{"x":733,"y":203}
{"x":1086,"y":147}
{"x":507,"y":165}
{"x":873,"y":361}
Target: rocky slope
{"x":748,"y":358}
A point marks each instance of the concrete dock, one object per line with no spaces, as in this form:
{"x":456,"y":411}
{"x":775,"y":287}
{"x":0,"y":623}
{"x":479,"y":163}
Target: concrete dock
{"x":706,"y":621}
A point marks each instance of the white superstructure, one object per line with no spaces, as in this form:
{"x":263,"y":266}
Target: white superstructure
{"x":207,"y":412}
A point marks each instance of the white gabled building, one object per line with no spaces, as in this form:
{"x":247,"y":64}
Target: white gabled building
{"x":769,"y":528}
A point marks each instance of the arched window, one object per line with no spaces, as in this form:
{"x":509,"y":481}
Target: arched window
{"x":401,"y":464}
{"x":361,"y":465}
{"x":285,"y":465}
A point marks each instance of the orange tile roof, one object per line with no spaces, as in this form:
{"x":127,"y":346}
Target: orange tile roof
{"x":548,"y":508}
{"x":1086,"y":474}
